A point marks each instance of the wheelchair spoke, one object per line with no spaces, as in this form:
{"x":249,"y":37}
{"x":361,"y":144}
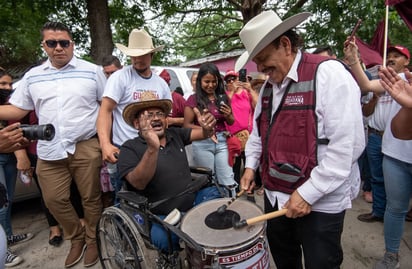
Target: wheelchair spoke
{"x":120,"y":244}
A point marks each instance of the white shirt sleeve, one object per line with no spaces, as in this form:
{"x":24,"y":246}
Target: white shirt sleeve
{"x":340,"y":120}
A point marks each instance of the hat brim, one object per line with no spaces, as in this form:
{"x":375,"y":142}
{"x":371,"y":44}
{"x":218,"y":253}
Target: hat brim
{"x":280,"y":29}
{"x":130,"y":111}
{"x":137,"y":52}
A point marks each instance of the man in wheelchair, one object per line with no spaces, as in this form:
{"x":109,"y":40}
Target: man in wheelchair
{"x":155,"y":165}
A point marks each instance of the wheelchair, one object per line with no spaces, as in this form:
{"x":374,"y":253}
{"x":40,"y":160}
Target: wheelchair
{"x":123,"y":231}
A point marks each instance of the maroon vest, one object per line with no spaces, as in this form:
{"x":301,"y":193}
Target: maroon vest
{"x":290,"y":139}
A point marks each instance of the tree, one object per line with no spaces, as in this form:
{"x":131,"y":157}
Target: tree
{"x":20,"y":22}
{"x":189,"y":29}
{"x":205,"y":28}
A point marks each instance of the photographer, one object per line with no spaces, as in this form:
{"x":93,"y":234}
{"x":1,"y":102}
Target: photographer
{"x":8,"y":171}
{"x":11,"y":138}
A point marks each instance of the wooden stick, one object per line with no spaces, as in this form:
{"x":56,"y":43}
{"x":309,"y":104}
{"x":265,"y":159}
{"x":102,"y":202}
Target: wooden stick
{"x":260,"y":218}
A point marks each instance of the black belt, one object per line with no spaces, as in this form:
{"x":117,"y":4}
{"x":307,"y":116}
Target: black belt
{"x":374,"y":131}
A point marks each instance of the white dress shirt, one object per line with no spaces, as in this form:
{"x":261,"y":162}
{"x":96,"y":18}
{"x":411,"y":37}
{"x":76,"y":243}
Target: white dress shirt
{"x":68,"y":98}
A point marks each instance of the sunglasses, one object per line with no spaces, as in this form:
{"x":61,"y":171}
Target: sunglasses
{"x":53,"y":43}
{"x":230,"y":80}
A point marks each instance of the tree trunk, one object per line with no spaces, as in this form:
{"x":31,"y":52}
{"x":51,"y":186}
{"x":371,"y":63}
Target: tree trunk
{"x":251,"y":8}
{"x":100,"y":32}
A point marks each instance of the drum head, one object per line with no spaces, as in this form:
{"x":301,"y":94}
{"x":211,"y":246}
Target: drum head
{"x":195,"y":226}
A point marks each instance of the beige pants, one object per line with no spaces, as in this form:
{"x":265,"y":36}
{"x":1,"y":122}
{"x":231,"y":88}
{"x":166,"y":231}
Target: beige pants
{"x":55,"y":178}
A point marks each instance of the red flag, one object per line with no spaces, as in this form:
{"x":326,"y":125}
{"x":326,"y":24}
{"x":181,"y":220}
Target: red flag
{"x":404,"y":9}
{"x":369,"y":56}
{"x":377,"y":43}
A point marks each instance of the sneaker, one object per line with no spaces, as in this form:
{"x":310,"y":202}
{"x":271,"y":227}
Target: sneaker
{"x":11,"y":259}
{"x":75,"y":254}
{"x":91,"y":256}
{"x":389,"y":261}
{"x":18,"y":238}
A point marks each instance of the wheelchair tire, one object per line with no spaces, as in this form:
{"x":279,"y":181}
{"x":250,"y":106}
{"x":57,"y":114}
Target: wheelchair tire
{"x":120,"y":244}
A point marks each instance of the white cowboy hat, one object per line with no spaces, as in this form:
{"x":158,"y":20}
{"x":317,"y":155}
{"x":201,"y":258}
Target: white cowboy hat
{"x":147,"y":100}
{"x":140,"y":43}
{"x":263,"y":29}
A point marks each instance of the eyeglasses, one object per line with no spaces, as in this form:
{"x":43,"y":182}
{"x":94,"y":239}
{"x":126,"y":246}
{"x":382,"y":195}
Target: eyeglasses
{"x":53,"y":43}
{"x":158,"y":114}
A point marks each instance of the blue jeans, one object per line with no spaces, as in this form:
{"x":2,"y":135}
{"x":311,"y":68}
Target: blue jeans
{"x":375,"y":158}
{"x":159,"y":235}
{"x":216,"y":157}
{"x":398,"y":185}
{"x":8,"y":174}
{"x":365,"y":171}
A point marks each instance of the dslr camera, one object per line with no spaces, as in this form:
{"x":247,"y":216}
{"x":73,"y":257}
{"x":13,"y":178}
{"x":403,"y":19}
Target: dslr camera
{"x":38,"y":132}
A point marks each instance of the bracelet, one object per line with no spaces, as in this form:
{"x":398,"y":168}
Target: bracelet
{"x":351,"y":64}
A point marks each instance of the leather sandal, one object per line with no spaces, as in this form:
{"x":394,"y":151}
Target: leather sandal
{"x":56,"y":240}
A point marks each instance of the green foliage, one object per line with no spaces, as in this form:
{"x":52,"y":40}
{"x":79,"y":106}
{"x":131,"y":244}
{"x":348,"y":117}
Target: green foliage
{"x":188,"y":29}
{"x":19,"y":26}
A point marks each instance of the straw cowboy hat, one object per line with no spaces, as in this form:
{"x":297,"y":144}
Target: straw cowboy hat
{"x":261,"y":30}
{"x":140,"y":43}
{"x":147,"y":100}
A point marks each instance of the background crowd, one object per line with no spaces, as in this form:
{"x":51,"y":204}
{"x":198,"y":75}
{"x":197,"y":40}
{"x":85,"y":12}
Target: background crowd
{"x":300,"y":156}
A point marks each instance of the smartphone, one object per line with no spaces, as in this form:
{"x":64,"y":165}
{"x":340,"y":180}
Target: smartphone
{"x":221,"y":99}
{"x":242,"y":75}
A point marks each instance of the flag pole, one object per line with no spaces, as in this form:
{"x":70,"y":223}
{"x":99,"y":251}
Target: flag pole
{"x":385,"y":36}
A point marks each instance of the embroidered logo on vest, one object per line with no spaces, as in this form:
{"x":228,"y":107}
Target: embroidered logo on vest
{"x":292,"y":100}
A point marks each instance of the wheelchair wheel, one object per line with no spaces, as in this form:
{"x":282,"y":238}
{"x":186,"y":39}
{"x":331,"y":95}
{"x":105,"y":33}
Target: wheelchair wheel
{"x":120,"y":244}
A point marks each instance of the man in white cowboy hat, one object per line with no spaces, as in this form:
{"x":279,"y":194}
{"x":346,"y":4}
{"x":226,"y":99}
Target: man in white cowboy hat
{"x":124,"y":87}
{"x":154,"y":164}
{"x":306,"y":138}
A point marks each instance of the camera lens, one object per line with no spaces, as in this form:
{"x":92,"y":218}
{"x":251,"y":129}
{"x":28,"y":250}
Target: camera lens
{"x":38,"y":132}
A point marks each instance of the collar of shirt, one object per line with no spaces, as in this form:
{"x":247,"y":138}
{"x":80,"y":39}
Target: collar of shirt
{"x":48,"y":64}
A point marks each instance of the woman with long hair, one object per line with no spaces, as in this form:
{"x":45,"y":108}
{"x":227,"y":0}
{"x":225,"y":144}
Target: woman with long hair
{"x":212,"y":152}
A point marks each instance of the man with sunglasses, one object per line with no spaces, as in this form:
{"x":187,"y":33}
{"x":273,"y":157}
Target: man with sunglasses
{"x":65,"y":91}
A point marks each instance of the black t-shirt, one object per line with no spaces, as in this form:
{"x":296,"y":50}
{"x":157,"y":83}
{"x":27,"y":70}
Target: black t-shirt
{"x":172,"y":174}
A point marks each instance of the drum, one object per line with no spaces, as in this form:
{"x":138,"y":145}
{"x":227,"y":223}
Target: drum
{"x":224,"y":246}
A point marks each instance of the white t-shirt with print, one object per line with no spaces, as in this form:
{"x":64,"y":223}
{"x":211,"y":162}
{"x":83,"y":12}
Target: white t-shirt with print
{"x":125,"y":86}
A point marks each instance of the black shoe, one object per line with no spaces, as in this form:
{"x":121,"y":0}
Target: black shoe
{"x":369,"y":217}
{"x":409,"y":215}
{"x":56,"y":240}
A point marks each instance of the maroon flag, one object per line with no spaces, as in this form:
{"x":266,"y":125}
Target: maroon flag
{"x":369,"y":56}
{"x":404,"y":9}
{"x":377,"y":43}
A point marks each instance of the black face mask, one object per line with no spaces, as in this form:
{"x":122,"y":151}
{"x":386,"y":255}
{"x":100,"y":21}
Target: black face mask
{"x":4,"y":95}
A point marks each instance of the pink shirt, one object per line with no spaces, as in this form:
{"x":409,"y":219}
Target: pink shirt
{"x":242,"y":111}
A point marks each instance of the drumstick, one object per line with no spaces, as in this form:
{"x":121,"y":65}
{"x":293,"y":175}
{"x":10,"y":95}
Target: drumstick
{"x":251,"y":221}
{"x":222,"y":208}
{"x":355,"y":29}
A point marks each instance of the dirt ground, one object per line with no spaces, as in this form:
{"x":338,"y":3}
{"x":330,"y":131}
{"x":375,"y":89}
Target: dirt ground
{"x":363,"y":243}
